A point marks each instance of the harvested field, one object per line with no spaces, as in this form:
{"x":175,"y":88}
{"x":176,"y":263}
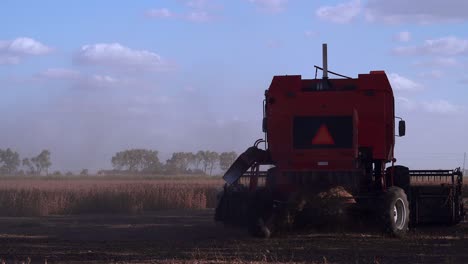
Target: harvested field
{"x":165,"y":221}
{"x":191,"y":236}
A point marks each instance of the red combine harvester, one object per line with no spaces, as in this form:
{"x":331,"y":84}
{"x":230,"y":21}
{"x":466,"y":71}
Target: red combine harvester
{"x":324,"y":133}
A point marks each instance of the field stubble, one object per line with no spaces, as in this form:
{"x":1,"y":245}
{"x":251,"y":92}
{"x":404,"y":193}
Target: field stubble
{"x":182,"y":236}
{"x":119,"y":195}
{"x":42,"y":197}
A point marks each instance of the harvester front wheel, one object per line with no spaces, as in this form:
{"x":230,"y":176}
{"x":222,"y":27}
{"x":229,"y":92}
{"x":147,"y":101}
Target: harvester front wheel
{"x":260,"y":214}
{"x":401,"y":177}
{"x":395,"y":212}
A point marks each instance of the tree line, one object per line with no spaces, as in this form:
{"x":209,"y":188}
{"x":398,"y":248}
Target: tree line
{"x":11,"y":163}
{"x":131,"y":160}
{"x":147,"y":161}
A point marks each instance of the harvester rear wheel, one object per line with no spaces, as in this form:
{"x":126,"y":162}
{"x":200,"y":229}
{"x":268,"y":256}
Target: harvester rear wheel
{"x":395,"y":212}
{"x":260,"y":214}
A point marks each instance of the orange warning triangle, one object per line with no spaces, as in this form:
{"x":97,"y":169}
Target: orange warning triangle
{"x":323,"y":137}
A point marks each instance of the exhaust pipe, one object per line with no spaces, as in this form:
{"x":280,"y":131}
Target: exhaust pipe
{"x":325,"y":61}
{"x":324,"y":85}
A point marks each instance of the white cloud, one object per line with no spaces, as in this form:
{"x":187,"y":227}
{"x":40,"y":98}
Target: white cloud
{"x":159,"y":13}
{"x":6,"y":59}
{"x":423,"y":12}
{"x":77,"y":79}
{"x":25,"y":46}
{"x":438,"y":62}
{"x":136,"y":110}
{"x":449,"y":46}
{"x":197,"y":4}
{"x":198,"y":16}
{"x":59,"y":73}
{"x":12,"y":51}
{"x":434,"y":74}
{"x":272,"y":6}
{"x":440,"y":106}
{"x":196,"y":11}
{"x":405,"y":103}
{"x":104,"y":79}
{"x":273,"y":44}
{"x":96,"y":81}
{"x":342,"y":13}
{"x":403,"y":36}
{"x":400,"y":83}
{"x":117,"y":55}
{"x":149,"y":101}
{"x":144,"y":105}
{"x":189,"y":89}
{"x":311,"y":33}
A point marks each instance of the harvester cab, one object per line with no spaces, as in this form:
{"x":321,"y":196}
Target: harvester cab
{"x":327,"y":133}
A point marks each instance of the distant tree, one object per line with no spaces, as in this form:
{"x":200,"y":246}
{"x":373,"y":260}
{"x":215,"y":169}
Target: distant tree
{"x":119,"y":160}
{"x":179,"y":162}
{"x":84,"y":172}
{"x":9,"y":161}
{"x":28,"y":165}
{"x":57,"y":173}
{"x":136,"y":160}
{"x":226,"y":159}
{"x":213,"y":158}
{"x":126,"y":160}
{"x":209,"y":159}
{"x":69,"y":173}
{"x":192,"y":161}
{"x":42,"y":162}
{"x":150,"y":161}
{"x":171,"y":166}
{"x":205,"y":160}
{"x":198,"y":159}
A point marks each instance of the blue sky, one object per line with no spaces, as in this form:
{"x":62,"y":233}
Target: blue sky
{"x":89,"y":78}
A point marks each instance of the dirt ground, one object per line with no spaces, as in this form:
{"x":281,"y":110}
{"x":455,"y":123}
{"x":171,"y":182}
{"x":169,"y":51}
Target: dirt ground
{"x":178,"y":236}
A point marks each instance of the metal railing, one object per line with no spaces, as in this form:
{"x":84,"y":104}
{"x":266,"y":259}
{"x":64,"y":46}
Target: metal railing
{"x":247,"y":176}
{"x":435,"y":176}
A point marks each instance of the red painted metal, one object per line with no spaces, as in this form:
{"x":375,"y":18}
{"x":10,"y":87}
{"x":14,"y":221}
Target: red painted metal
{"x":368,"y":99}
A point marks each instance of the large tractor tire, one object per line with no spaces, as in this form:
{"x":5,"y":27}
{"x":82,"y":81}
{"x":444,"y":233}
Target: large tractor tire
{"x":260,"y":214}
{"x":401,"y":177}
{"x":395,"y":212}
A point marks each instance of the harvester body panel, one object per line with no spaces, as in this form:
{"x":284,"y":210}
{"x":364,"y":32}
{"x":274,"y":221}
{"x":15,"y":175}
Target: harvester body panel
{"x":367,"y":101}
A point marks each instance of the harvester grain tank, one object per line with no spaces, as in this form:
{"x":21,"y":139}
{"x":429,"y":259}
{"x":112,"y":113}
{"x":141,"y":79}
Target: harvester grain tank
{"x":324,"y":133}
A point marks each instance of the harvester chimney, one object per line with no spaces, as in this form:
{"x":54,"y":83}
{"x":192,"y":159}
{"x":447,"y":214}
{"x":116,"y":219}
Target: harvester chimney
{"x":325,"y":60}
